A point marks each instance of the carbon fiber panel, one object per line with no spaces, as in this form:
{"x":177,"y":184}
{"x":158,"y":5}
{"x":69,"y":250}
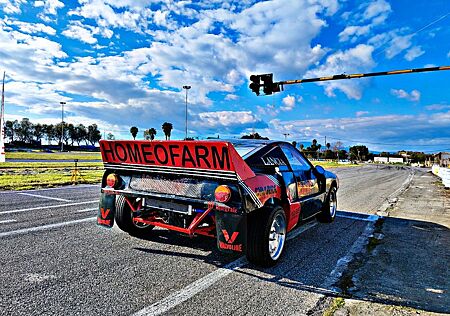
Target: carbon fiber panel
{"x":184,"y":187}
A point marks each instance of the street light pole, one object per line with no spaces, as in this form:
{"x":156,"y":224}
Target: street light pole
{"x":286,"y":135}
{"x":62,"y":125}
{"x":186,"y":132}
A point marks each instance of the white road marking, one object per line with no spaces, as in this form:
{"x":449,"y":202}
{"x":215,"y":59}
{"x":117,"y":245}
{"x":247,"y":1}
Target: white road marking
{"x":45,"y":227}
{"x":8,"y":221}
{"x":45,"y":197}
{"x":46,"y":207}
{"x":52,"y":189}
{"x":87,"y":210}
{"x":202,"y":284}
{"x":351,"y":215}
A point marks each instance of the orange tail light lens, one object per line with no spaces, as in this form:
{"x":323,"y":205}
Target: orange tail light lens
{"x":112,"y":180}
{"x":222,"y":193}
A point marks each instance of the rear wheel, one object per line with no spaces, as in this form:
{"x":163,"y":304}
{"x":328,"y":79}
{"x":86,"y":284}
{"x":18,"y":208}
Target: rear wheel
{"x":329,"y":208}
{"x":124,"y":219}
{"x":266,"y":236}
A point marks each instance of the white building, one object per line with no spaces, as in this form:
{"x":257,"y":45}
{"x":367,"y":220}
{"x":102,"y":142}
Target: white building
{"x":388,"y":160}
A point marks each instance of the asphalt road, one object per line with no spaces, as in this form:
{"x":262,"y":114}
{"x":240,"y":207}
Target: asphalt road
{"x":56,"y":261}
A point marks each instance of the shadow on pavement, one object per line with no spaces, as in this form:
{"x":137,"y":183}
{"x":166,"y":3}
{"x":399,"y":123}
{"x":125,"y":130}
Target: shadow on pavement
{"x":408,"y":266}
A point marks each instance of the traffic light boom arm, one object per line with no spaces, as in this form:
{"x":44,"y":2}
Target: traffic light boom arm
{"x":353,"y":76}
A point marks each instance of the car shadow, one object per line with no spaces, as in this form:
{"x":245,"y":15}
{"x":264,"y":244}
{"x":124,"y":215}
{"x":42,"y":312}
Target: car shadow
{"x":407,"y":265}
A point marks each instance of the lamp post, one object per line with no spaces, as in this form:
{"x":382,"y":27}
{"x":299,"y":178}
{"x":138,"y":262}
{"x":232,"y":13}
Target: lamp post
{"x":286,"y":135}
{"x":186,"y":88}
{"x":62,"y":125}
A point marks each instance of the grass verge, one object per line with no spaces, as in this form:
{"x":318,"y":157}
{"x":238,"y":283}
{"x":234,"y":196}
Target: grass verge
{"x":44,"y":175}
{"x":53,"y":156}
{"x":337,"y":303}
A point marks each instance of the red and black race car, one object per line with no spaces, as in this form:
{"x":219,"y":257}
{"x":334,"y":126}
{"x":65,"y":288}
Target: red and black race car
{"x":245,"y":193}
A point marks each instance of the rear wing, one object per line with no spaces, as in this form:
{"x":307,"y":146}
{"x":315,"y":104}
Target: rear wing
{"x":210,"y":159}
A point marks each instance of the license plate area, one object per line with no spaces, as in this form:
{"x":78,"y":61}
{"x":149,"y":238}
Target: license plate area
{"x":167,"y":206}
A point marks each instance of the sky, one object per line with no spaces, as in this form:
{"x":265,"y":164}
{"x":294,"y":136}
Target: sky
{"x":123,"y":63}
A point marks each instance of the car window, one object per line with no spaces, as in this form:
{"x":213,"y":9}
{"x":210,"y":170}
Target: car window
{"x":296,"y":160}
{"x":270,"y":156}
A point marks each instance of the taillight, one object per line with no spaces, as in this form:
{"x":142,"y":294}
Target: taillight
{"x":222,"y":193}
{"x":112,"y":180}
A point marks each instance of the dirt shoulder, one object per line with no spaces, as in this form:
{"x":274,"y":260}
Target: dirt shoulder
{"x":406,"y":268}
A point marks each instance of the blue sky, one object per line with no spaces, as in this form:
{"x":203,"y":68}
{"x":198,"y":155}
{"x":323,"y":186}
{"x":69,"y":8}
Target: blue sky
{"x":123,"y":63}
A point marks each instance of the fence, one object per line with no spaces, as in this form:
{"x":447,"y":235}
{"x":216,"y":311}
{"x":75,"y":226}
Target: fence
{"x":443,"y":173}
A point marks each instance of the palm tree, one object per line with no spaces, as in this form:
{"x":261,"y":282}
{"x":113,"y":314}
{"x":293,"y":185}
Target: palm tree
{"x":134,"y":130}
{"x":167,"y":129}
{"x":152,"y":133}
{"x":301,"y":147}
{"x":328,"y":146}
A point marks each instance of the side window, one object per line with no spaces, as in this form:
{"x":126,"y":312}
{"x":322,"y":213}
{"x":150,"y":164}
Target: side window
{"x":297,"y":162}
{"x":274,"y":157}
{"x":270,"y":157}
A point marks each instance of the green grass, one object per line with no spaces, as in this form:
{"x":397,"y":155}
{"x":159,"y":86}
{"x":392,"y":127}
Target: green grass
{"x":332,"y":164}
{"x":337,"y":303}
{"x":32,"y":175}
{"x":53,"y":156}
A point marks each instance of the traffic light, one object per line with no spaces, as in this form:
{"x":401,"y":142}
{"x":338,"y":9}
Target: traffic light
{"x":255,"y":83}
{"x":268,"y":85}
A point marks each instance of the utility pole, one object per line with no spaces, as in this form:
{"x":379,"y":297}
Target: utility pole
{"x":186,"y":132}
{"x":62,"y":125}
{"x":2,"y":123}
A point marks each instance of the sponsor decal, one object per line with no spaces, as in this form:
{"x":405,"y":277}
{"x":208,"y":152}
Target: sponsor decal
{"x":272,"y":161}
{"x":262,"y":192}
{"x":176,"y":154}
{"x":222,"y":208}
{"x":229,"y":240}
{"x":102,"y":220}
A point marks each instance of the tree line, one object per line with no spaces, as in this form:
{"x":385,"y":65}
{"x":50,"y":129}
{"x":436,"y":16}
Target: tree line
{"x":150,"y":133}
{"x":26,"y":132}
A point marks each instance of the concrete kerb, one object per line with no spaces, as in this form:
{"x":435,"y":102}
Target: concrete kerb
{"x":390,"y":201}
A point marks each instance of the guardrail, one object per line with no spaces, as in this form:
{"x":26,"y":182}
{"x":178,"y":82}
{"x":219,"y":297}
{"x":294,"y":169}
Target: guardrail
{"x":443,"y":173}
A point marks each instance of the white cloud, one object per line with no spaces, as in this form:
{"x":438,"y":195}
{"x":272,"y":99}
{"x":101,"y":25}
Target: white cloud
{"x":356,"y":59}
{"x":402,"y":94}
{"x":80,"y":33}
{"x":361,"y":113}
{"x":374,"y":131}
{"x":234,"y":122}
{"x":50,"y":6}
{"x":288,"y":103}
{"x":231,"y":97}
{"x":85,"y":33}
{"x":413,"y":53}
{"x":378,"y":11}
{"x":30,"y":28}
{"x":12,"y":6}
{"x":397,"y":45}
{"x":437,"y":107}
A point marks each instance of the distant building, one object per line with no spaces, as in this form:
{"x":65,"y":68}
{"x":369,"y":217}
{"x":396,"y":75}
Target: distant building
{"x":388,"y":160}
{"x":442,"y":158}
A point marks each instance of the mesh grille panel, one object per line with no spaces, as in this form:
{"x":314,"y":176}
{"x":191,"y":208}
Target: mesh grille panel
{"x":183,"y":187}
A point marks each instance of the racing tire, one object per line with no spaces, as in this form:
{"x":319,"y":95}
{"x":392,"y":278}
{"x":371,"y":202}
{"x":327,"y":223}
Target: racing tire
{"x":266,"y":236}
{"x":124,"y":219}
{"x":329,"y":208}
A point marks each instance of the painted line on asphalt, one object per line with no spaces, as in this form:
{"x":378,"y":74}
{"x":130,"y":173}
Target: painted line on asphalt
{"x":357,"y":216}
{"x":8,"y":221}
{"x":46,"y":207}
{"x":45,"y":197}
{"x":207,"y":281}
{"x":87,"y":210}
{"x":52,"y":189}
{"x":45,"y":227}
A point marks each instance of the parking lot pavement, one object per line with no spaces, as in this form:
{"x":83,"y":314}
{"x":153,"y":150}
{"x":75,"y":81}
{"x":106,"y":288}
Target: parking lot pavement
{"x":407,"y":269}
{"x":61,"y":263}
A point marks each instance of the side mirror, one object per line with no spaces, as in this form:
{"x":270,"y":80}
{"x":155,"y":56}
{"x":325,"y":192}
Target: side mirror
{"x":320,"y":170}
